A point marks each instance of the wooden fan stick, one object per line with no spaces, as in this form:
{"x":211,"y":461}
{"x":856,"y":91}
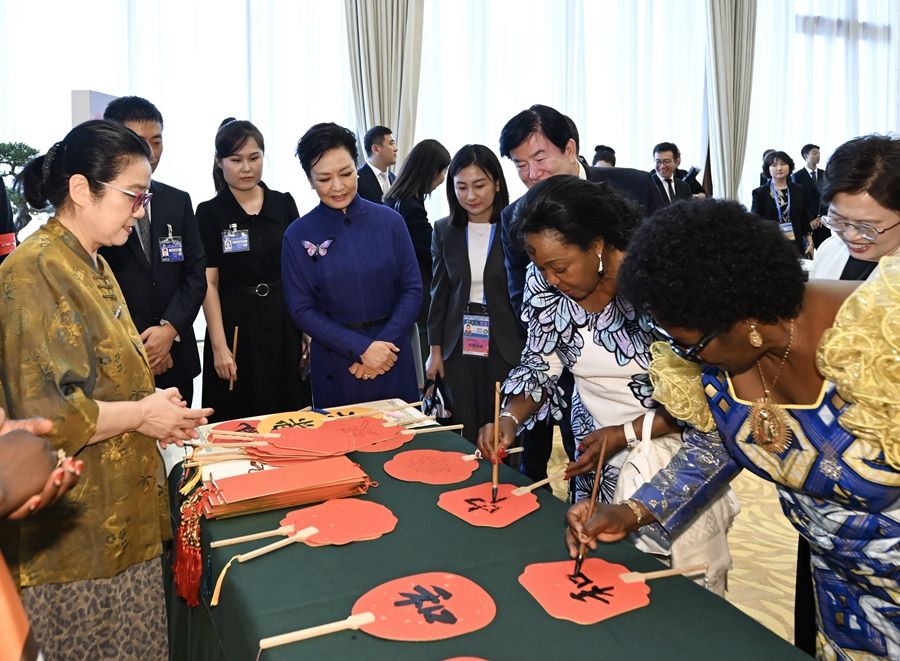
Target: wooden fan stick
{"x":244,"y":557}
{"x":236,"y":444}
{"x":429,"y":430}
{"x":221,"y":433}
{"x":636,"y":576}
{"x":374,"y":413}
{"x":597,"y":477}
{"x":477,"y":454}
{"x":411,"y":421}
{"x":283,"y":530}
{"x":495,"y":468}
{"x":214,"y":458}
{"x":233,"y":357}
{"x":521,"y":491}
{"x":353,"y":622}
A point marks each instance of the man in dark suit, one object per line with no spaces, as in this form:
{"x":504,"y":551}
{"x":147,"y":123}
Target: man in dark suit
{"x":162,"y":267}
{"x":667,"y":186}
{"x":7,"y":224}
{"x":381,"y":153}
{"x":812,"y":180}
{"x":542,"y":143}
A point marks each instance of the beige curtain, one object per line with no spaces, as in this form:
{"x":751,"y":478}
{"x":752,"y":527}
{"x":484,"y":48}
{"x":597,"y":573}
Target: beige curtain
{"x":385,"y":38}
{"x":731,"y":29}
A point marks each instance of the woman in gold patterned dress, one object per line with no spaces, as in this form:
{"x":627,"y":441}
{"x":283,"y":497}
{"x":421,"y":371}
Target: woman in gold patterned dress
{"x":89,"y":569}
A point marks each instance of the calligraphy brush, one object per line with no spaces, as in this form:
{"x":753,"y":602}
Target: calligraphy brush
{"x":597,"y":476}
{"x":495,"y":469}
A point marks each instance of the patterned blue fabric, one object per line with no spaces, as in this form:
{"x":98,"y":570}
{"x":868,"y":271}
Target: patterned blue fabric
{"x":838,"y":492}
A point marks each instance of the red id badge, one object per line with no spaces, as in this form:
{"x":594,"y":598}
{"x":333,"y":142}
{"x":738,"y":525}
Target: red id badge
{"x":476,"y":335}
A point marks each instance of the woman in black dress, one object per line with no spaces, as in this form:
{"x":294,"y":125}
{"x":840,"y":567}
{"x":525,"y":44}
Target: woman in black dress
{"x":785,"y":202}
{"x":422,"y":171}
{"x":242,"y":229}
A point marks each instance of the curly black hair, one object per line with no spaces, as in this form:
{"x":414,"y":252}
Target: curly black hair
{"x":580,"y":211}
{"x":707,"y":264}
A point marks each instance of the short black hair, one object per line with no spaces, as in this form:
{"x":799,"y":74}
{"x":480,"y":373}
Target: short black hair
{"x":231,"y":137}
{"x":481,"y":157}
{"x":319,"y":139}
{"x":98,"y":149}
{"x":707,"y":264}
{"x":579,"y":211}
{"x":782,"y":156}
{"x":667,"y":146}
{"x":422,"y":164}
{"x":868,"y":164}
{"x":375,"y":136}
{"x":558,"y":128}
{"x":805,"y":149}
{"x":605,"y":154}
{"x":132,"y":109}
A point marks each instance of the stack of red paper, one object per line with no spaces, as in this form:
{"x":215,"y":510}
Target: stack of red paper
{"x":296,"y":484}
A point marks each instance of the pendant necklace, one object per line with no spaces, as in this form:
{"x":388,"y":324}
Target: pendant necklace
{"x":768,"y":421}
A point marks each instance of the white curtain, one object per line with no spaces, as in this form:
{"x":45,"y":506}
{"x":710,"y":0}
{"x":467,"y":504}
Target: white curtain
{"x":630,"y":74}
{"x":828,"y":72}
{"x":730,"y":28}
{"x":385,"y":42}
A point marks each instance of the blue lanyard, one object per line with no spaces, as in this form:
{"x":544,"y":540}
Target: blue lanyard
{"x":774,"y":194}
{"x":487,"y":254}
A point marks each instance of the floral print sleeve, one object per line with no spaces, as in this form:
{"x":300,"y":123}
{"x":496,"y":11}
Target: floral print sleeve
{"x":553,"y":343}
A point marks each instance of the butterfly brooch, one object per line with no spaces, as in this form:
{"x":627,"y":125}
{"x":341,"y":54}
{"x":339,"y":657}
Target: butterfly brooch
{"x":316,"y":251}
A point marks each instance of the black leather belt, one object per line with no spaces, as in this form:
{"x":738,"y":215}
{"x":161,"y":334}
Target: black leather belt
{"x":367,"y":324}
{"x":262,"y":289}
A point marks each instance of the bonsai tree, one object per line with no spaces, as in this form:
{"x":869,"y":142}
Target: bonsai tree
{"x":13,"y":157}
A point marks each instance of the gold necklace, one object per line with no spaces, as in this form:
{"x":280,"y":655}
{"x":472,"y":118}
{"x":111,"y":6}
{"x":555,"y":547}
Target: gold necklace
{"x":769,"y":423}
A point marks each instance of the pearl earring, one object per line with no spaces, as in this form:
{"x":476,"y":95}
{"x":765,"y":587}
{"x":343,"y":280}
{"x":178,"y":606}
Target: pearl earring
{"x":599,"y":263}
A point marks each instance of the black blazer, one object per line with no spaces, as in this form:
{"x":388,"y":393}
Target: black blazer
{"x":634,"y":184}
{"x":173,"y":291}
{"x":682,"y":189}
{"x":450,"y":286}
{"x":801,"y":211}
{"x":416,"y":218}
{"x":802,"y":178}
{"x":367,"y":185}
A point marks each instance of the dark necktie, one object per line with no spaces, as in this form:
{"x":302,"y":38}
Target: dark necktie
{"x":143,"y":229}
{"x":815,"y":178}
{"x":671,"y":190}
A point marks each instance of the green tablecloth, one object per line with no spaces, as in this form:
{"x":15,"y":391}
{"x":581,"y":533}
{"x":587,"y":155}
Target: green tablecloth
{"x":302,"y":586}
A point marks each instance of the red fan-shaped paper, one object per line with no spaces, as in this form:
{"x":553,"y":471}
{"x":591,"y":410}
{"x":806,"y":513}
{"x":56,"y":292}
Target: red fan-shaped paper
{"x":430,"y":467}
{"x":278,"y":422}
{"x":332,"y":438}
{"x":342,"y":521}
{"x":596,"y":594}
{"x":425,"y":607}
{"x":473,"y":505}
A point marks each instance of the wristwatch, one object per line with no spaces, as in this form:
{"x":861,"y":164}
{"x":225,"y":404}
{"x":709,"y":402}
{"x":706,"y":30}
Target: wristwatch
{"x":631,"y":438}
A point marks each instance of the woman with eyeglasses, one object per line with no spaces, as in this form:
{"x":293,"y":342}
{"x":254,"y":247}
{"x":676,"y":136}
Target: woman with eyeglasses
{"x":242,"y":229}
{"x":795,"y":382}
{"x":89,"y":569}
{"x":785,"y":202}
{"x":863,"y":198}
{"x":576,"y":234}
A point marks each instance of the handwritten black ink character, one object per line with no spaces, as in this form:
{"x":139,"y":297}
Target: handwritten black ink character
{"x":246,"y":428}
{"x":596,"y":592}
{"x":432,"y":614}
{"x":483,"y":505}
{"x":304,"y":423}
{"x":579,"y":579}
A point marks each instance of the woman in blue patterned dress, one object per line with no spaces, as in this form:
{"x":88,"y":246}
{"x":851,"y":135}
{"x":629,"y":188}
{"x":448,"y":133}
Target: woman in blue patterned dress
{"x":575,"y":233}
{"x":795,"y":382}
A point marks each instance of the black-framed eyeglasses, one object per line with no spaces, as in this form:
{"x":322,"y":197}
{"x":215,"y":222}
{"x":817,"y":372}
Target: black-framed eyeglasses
{"x":140,"y":199}
{"x":864,"y":230}
{"x":692,"y":352}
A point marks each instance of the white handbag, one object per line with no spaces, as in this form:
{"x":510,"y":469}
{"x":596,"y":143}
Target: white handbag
{"x":705,"y":539}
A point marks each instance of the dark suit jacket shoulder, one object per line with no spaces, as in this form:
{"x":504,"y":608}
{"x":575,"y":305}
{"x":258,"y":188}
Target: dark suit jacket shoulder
{"x":367,"y":185}
{"x":450,"y":287}
{"x":157,"y":290}
{"x":801,"y":212}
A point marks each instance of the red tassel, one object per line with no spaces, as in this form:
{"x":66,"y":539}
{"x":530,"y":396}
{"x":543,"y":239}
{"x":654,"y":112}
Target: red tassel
{"x":188,"y":560}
